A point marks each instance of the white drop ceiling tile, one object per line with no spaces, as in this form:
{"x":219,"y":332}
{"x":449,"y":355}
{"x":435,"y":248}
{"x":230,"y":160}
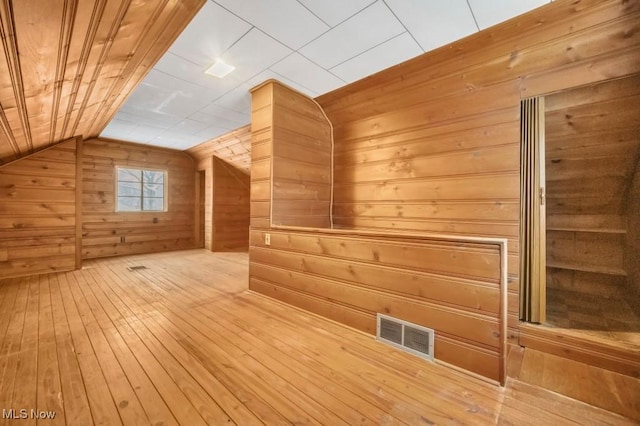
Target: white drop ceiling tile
{"x":269,"y":75}
{"x":435,"y":23}
{"x":335,"y":11}
{"x":211,"y":132}
{"x":492,"y":12}
{"x":238,"y":99}
{"x":301,"y":70}
{"x":118,"y":129}
{"x":211,"y":32}
{"x":367,"y":29}
{"x":188,"y":126}
{"x":285,"y":20}
{"x":385,"y":55}
{"x":254,"y":53}
{"x":185,"y":70}
{"x":207,"y":114}
{"x":145,"y":120}
{"x":180,"y":98}
{"x":166,"y":142}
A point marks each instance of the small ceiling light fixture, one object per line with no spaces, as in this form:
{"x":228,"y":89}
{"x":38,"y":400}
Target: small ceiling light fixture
{"x":219,"y":69}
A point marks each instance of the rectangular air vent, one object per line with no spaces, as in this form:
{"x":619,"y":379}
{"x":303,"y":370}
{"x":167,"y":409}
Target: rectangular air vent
{"x":136,"y":268}
{"x":406,"y":336}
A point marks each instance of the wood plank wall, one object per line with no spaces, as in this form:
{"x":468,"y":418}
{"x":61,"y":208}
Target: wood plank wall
{"x":261,"y":150}
{"x":632,"y":244}
{"x":236,"y":150}
{"x":230,"y":208}
{"x":38,"y":212}
{"x":592,"y":147}
{"x":144,"y":232}
{"x":69,"y":65}
{"x":453,"y":287}
{"x":234,"y":147}
{"x":302,"y":160}
{"x":432,"y":144}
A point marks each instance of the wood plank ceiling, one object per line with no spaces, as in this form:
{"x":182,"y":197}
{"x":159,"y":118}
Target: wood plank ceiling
{"x":68,"y":65}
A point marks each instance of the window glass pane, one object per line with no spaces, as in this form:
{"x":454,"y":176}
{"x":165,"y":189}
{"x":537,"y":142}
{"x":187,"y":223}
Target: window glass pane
{"x":140,"y":190}
{"x":129,"y":189}
{"x":129,"y":175}
{"x":153,"y":190}
{"x":129,"y":204}
{"x":154,"y":204}
{"x":150,"y":176}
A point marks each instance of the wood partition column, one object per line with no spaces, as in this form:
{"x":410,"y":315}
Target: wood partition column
{"x":294,"y":145}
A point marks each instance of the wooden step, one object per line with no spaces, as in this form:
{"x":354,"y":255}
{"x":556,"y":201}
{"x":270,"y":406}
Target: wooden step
{"x":586,"y":268}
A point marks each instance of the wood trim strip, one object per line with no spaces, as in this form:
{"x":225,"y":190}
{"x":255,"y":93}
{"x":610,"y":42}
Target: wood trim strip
{"x":79,"y":204}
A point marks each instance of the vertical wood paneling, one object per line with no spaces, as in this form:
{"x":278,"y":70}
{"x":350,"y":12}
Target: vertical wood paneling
{"x":67,"y":66}
{"x":431,"y":144}
{"x":38,"y":212}
{"x":143,"y":232}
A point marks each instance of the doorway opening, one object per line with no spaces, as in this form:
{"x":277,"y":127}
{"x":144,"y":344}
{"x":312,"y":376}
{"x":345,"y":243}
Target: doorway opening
{"x":591,"y":225}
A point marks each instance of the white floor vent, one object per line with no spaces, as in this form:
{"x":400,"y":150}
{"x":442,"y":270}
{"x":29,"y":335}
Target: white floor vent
{"x":404,"y":335}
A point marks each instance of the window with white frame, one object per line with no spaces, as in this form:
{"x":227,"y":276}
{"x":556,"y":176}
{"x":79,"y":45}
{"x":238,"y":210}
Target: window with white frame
{"x":140,"y":190}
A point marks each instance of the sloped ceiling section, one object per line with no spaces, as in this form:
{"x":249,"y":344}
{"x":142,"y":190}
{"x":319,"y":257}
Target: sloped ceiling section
{"x":314,"y":46}
{"x":68,"y":65}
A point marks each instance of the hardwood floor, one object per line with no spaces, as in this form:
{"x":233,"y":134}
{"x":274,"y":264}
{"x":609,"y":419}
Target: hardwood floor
{"x":184,"y":342}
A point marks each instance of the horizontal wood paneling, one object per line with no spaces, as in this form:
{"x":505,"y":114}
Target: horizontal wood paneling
{"x":68,"y":66}
{"x":38,"y":212}
{"x":592,"y":151}
{"x":301,"y":160}
{"x":144,"y":232}
{"x":453,"y":287}
{"x":632,"y":242}
{"x":432,"y":144}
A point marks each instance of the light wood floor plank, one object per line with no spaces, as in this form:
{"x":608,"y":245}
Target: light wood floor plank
{"x":73,"y":392}
{"x":49,"y":389}
{"x":184,"y":342}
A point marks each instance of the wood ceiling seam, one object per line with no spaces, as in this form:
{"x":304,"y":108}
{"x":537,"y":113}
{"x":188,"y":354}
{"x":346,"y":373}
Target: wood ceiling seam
{"x":94,"y":23}
{"x":104,"y":54}
{"x":5,"y":127}
{"x":68,"y":19}
{"x":10,"y":43}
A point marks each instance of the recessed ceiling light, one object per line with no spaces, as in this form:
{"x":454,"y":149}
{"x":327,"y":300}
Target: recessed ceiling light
{"x":219,"y":69}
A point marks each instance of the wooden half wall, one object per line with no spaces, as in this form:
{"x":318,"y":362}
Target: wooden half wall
{"x":38,"y":211}
{"x":106,"y":232}
{"x":432,"y":144}
{"x":453,"y":285}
